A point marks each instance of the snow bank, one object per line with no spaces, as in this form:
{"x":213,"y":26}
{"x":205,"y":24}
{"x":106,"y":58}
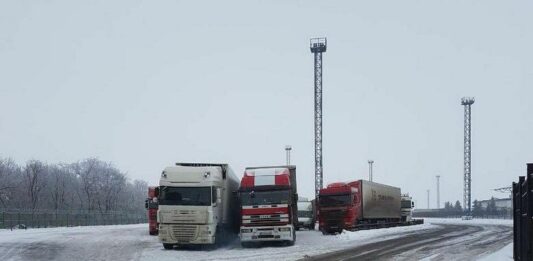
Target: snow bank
{"x":503,"y":254}
{"x":475,"y":221}
{"x":38,"y":234}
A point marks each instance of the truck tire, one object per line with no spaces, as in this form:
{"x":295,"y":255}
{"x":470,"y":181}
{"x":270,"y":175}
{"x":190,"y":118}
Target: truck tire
{"x":168,"y":246}
{"x":311,"y":226}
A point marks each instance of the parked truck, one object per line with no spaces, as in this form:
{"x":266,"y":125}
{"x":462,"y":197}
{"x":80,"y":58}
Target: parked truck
{"x":306,"y":213}
{"x":357,"y":205}
{"x":151,"y":206}
{"x":407,"y":207}
{"x":197,"y":205}
{"x":268,"y":198}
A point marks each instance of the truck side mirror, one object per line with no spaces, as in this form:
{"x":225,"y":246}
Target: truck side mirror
{"x":412,"y":204}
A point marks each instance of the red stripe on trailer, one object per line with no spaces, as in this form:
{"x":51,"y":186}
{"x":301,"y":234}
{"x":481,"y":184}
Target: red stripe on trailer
{"x":247,"y":181}
{"x":282,"y":179}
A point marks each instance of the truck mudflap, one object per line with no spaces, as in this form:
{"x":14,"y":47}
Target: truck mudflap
{"x":267,"y":233}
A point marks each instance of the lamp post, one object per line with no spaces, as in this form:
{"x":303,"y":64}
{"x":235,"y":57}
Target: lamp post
{"x":370,"y":165}
{"x":288,"y":149}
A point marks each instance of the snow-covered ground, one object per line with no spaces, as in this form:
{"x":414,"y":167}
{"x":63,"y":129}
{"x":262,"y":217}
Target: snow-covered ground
{"x":308,"y":243}
{"x":132,"y":242}
{"x":503,"y":254}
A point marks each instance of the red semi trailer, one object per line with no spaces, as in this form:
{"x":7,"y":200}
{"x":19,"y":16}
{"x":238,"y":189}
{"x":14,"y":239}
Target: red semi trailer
{"x":151,"y":204}
{"x":358,"y":204}
{"x":268,"y":198}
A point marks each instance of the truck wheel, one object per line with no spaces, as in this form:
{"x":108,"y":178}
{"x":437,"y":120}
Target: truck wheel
{"x":168,"y":246}
{"x":311,"y":227}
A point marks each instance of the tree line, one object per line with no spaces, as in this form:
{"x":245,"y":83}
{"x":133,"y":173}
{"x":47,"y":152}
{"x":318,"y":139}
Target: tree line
{"x":90,"y":185}
{"x":456,"y":210}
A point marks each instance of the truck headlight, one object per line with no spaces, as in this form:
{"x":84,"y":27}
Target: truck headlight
{"x":246,"y":230}
{"x":284,"y":229}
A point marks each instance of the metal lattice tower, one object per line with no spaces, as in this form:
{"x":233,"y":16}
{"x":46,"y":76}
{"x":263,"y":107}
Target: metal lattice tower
{"x":467,"y":191}
{"x":318,"y":46}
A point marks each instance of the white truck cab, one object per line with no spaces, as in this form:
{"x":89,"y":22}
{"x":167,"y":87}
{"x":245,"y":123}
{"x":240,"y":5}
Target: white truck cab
{"x":407,"y":206}
{"x":196,"y":204}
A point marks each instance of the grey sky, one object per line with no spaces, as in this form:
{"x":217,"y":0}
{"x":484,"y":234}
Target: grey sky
{"x":148,"y":83}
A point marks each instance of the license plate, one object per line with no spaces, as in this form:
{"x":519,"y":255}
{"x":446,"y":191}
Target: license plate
{"x":264,"y":233}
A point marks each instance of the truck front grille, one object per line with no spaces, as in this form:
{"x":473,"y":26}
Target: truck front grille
{"x":184,"y":233}
{"x":265,"y":220}
{"x":333,"y":215}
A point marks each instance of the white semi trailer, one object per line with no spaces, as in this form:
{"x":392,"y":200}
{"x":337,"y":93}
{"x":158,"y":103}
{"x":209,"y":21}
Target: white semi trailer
{"x":197,"y":204}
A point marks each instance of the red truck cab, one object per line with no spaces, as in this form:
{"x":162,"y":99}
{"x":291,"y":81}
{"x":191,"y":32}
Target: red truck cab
{"x":338,"y":207}
{"x":268,"y":201}
{"x":151,"y":205}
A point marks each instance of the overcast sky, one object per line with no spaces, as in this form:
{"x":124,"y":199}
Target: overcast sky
{"x":145,"y":84}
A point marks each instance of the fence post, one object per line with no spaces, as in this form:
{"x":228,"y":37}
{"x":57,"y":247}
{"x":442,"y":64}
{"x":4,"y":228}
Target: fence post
{"x":516,"y":250}
{"x":529,"y":202}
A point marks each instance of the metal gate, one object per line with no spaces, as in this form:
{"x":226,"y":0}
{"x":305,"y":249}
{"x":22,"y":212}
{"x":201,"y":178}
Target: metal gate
{"x":523,"y":216}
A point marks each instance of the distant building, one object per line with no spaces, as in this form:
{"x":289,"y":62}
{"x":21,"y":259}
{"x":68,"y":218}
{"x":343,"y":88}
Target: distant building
{"x":501,"y":203}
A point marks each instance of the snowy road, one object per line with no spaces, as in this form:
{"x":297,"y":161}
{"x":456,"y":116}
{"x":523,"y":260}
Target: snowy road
{"x":448,"y":242}
{"x":131,"y":242}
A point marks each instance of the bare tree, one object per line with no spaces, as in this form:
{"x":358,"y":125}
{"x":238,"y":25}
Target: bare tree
{"x":110,"y":184}
{"x":59,"y":177}
{"x":8,"y":179}
{"x":91,"y":185}
{"x":34,"y":181}
{"x":86,"y":171}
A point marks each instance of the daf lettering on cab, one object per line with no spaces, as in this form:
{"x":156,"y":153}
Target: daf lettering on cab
{"x":196,"y":204}
{"x":268,"y":197}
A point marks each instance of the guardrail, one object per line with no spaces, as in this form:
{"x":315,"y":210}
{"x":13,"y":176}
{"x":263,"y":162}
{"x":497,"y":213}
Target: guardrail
{"x":11,"y":219}
{"x":523,"y":216}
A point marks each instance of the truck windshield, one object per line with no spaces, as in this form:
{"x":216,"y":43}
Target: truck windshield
{"x":406,"y":203}
{"x":265,"y":197}
{"x":303,"y":213}
{"x":335,"y":200}
{"x":189,"y":196}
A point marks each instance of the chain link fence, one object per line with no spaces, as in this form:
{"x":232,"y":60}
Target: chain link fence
{"x":11,"y":219}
